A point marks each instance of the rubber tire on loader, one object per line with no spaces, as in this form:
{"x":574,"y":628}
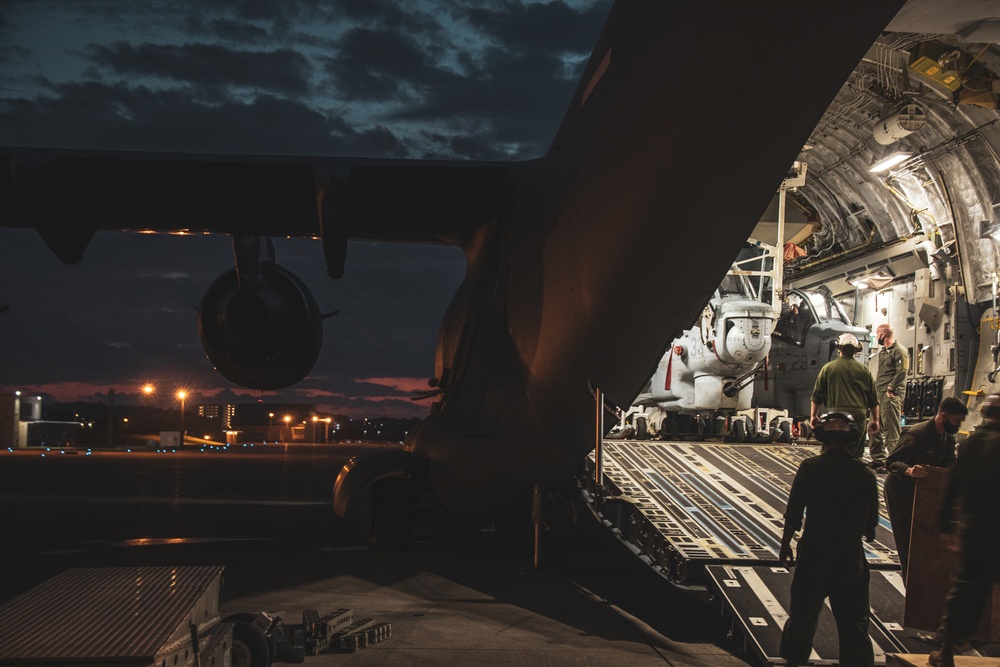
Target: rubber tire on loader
{"x":250,"y":647}
{"x":786,"y":432}
{"x":641,"y":431}
{"x":738,"y":430}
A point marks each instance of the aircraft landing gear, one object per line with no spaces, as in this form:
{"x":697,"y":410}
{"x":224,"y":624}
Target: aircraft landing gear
{"x":393,"y":513}
{"x":540,"y":525}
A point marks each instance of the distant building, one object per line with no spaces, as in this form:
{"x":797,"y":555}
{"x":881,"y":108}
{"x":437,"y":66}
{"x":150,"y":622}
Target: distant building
{"x":208,"y":411}
{"x":10,"y":420}
{"x":279,"y":422}
{"x":222,"y":412}
{"x":21,"y":424}
{"x":52,"y":434}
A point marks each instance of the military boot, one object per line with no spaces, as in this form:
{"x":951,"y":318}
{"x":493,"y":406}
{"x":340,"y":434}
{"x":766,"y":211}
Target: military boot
{"x":943,"y":657}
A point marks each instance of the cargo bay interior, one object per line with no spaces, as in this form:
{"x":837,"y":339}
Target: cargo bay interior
{"x":889,"y":217}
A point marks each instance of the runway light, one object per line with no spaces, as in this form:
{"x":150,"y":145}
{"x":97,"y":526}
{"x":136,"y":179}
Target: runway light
{"x":889,"y":162}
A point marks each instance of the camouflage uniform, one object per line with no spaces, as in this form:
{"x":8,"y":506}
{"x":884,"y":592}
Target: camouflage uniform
{"x":893,"y":362}
{"x":846,"y":385}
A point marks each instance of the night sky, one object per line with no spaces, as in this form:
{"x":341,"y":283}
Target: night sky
{"x":368,"y":78}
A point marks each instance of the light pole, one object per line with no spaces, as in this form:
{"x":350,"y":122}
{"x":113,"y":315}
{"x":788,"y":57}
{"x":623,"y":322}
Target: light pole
{"x":270,"y":425}
{"x":288,"y":421}
{"x":182,"y":395}
{"x":111,"y":417}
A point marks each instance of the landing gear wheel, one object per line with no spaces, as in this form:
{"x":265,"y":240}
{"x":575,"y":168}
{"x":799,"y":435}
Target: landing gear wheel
{"x":393,"y":514}
{"x":251,"y":648}
{"x":738,"y":430}
{"x":641,"y":432}
{"x":805,"y":430}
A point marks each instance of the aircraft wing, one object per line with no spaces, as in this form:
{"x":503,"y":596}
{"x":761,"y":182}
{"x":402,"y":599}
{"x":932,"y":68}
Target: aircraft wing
{"x":69,"y":195}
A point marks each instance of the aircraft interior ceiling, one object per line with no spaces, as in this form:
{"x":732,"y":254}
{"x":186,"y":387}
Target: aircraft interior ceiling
{"x":934,"y":97}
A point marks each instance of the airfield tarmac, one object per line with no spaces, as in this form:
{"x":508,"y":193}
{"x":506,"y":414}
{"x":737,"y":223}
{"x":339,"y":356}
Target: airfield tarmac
{"x":265,"y":514}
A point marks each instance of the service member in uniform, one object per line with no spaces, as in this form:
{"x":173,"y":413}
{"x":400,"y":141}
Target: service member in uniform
{"x":846,"y":385}
{"x":973,"y":482}
{"x":840,"y":495}
{"x":930,"y":444}
{"x":893,"y":362}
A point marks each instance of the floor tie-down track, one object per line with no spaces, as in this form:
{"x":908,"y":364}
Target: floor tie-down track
{"x":685,"y":506}
{"x":711,"y":515}
{"x":757,"y":599}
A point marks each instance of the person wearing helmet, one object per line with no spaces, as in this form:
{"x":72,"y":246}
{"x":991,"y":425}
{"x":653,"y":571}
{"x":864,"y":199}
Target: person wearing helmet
{"x":972,"y":484}
{"x":846,"y":385}
{"x":839,"y":495}
{"x":893,"y":362}
{"x":927,"y":445}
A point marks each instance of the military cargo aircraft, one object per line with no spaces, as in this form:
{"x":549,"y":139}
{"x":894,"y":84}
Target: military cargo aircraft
{"x":684,"y":123}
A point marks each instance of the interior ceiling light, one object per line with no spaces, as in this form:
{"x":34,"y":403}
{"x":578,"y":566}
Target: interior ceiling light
{"x":890,"y":161}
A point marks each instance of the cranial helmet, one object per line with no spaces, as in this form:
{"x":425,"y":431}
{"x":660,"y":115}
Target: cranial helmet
{"x":833,"y":422}
{"x":990,"y":407}
{"x":848,"y":339}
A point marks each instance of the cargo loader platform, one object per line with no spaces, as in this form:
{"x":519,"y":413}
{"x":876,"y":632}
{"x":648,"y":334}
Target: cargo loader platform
{"x":684,"y":506}
{"x":709,"y":518}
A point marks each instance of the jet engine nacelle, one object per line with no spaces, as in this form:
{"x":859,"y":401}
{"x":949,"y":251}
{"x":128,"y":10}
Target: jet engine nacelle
{"x":263,"y":332}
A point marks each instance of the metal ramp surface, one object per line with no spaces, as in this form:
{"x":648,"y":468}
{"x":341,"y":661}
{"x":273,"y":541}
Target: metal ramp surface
{"x":684,"y":506}
{"x":142,"y":616}
{"x":757,"y":598}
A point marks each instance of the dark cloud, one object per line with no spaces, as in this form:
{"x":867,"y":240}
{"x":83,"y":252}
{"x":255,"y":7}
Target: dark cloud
{"x":382,"y":65}
{"x":9,"y":54}
{"x":552,"y":28}
{"x":227,"y":29}
{"x":98,"y":115}
{"x":256,"y":10}
{"x":518,"y":100}
{"x":387,"y":13}
{"x":434,"y":91}
{"x":513,"y":93}
{"x":282,"y":70}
